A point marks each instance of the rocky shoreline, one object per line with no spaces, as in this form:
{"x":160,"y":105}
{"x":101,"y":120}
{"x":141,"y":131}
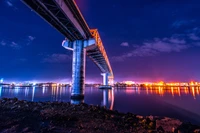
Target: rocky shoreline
{"x":24,"y":116}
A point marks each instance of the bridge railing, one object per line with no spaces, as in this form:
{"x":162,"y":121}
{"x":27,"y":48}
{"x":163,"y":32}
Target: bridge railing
{"x":99,"y":44}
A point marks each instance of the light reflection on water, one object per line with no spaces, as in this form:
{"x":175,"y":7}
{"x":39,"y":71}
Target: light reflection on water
{"x":177,"y":102}
{"x":161,"y":91}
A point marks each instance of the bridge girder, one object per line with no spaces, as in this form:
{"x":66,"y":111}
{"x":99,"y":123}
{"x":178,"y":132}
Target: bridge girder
{"x":65,"y":16}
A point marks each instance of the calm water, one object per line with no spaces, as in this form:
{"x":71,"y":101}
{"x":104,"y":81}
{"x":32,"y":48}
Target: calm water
{"x":182,"y":103}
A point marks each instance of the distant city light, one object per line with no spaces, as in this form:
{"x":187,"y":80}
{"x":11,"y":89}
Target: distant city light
{"x":1,"y":80}
{"x":129,"y":82}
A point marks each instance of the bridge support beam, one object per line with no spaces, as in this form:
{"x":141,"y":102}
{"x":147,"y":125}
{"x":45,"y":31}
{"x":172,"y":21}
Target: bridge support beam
{"x":78,"y":65}
{"x":78,"y":70}
{"x":105,"y":78}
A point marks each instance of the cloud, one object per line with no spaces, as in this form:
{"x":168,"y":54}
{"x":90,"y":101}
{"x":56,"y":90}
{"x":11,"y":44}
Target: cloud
{"x":3,"y":43}
{"x":135,"y":46}
{"x":22,"y":59}
{"x":30,"y":39}
{"x":14,"y":45}
{"x":17,"y":44}
{"x":56,"y":58}
{"x":125,"y":44}
{"x":154,"y":47}
{"x":193,"y":37}
{"x":169,"y":45}
{"x":196,"y":44}
{"x":19,"y":60}
{"x":176,"y":40}
{"x":9,"y":3}
{"x":180,"y":23}
{"x":196,"y":30}
{"x":175,"y":43}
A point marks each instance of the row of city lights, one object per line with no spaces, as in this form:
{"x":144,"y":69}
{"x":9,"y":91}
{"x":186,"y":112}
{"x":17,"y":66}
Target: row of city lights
{"x":162,"y":91}
{"x":161,"y":83}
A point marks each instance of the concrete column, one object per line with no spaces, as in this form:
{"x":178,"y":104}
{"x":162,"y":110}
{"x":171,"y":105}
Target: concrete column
{"x":77,"y":101}
{"x":105,"y":78}
{"x":78,"y":70}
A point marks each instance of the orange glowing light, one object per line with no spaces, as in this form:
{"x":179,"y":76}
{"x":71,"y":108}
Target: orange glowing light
{"x":129,"y":82}
{"x":191,"y":83}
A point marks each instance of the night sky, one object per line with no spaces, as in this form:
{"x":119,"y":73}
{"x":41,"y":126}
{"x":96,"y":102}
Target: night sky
{"x":146,"y":40}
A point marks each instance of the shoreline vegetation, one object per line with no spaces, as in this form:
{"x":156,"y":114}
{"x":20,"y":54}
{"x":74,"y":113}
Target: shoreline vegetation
{"x":61,"y":117}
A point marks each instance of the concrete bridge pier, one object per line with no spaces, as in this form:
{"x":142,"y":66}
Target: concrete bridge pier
{"x":105,"y":78}
{"x":77,"y":101}
{"x":78,"y":70}
{"x":78,"y":65}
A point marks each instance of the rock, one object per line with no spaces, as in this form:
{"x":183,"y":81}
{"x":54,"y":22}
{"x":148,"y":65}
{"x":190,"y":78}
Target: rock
{"x":197,"y":131}
{"x":181,"y":131}
{"x":139,"y":116}
{"x":152,"y":125}
{"x":15,"y":99}
{"x":5,"y":99}
{"x":26,"y":105}
{"x":143,"y":121}
{"x":11,"y":101}
{"x":14,"y":107}
{"x":151,"y":117}
{"x":96,"y":128}
{"x":35,"y":109}
{"x":83,"y":104}
{"x":173,"y":129}
{"x":116,"y":112}
{"x":148,"y":120}
{"x":168,"y":123}
{"x":82,"y":108}
{"x":80,"y":126}
{"x":126,"y":125}
{"x":15,"y":103}
{"x":152,"y":131}
{"x":64,"y":117}
{"x":25,"y":129}
{"x":40,"y":104}
{"x":129,"y":119}
{"x":160,"y":129}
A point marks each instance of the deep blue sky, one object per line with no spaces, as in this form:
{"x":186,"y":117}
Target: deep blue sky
{"x":145,"y":40}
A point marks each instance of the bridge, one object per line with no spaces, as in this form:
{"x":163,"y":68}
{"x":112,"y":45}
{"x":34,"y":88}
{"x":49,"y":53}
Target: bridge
{"x":65,"y":16}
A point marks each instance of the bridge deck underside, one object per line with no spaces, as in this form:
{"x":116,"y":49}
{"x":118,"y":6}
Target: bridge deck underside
{"x":50,"y":11}
{"x":53,"y":12}
{"x":96,"y":56}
